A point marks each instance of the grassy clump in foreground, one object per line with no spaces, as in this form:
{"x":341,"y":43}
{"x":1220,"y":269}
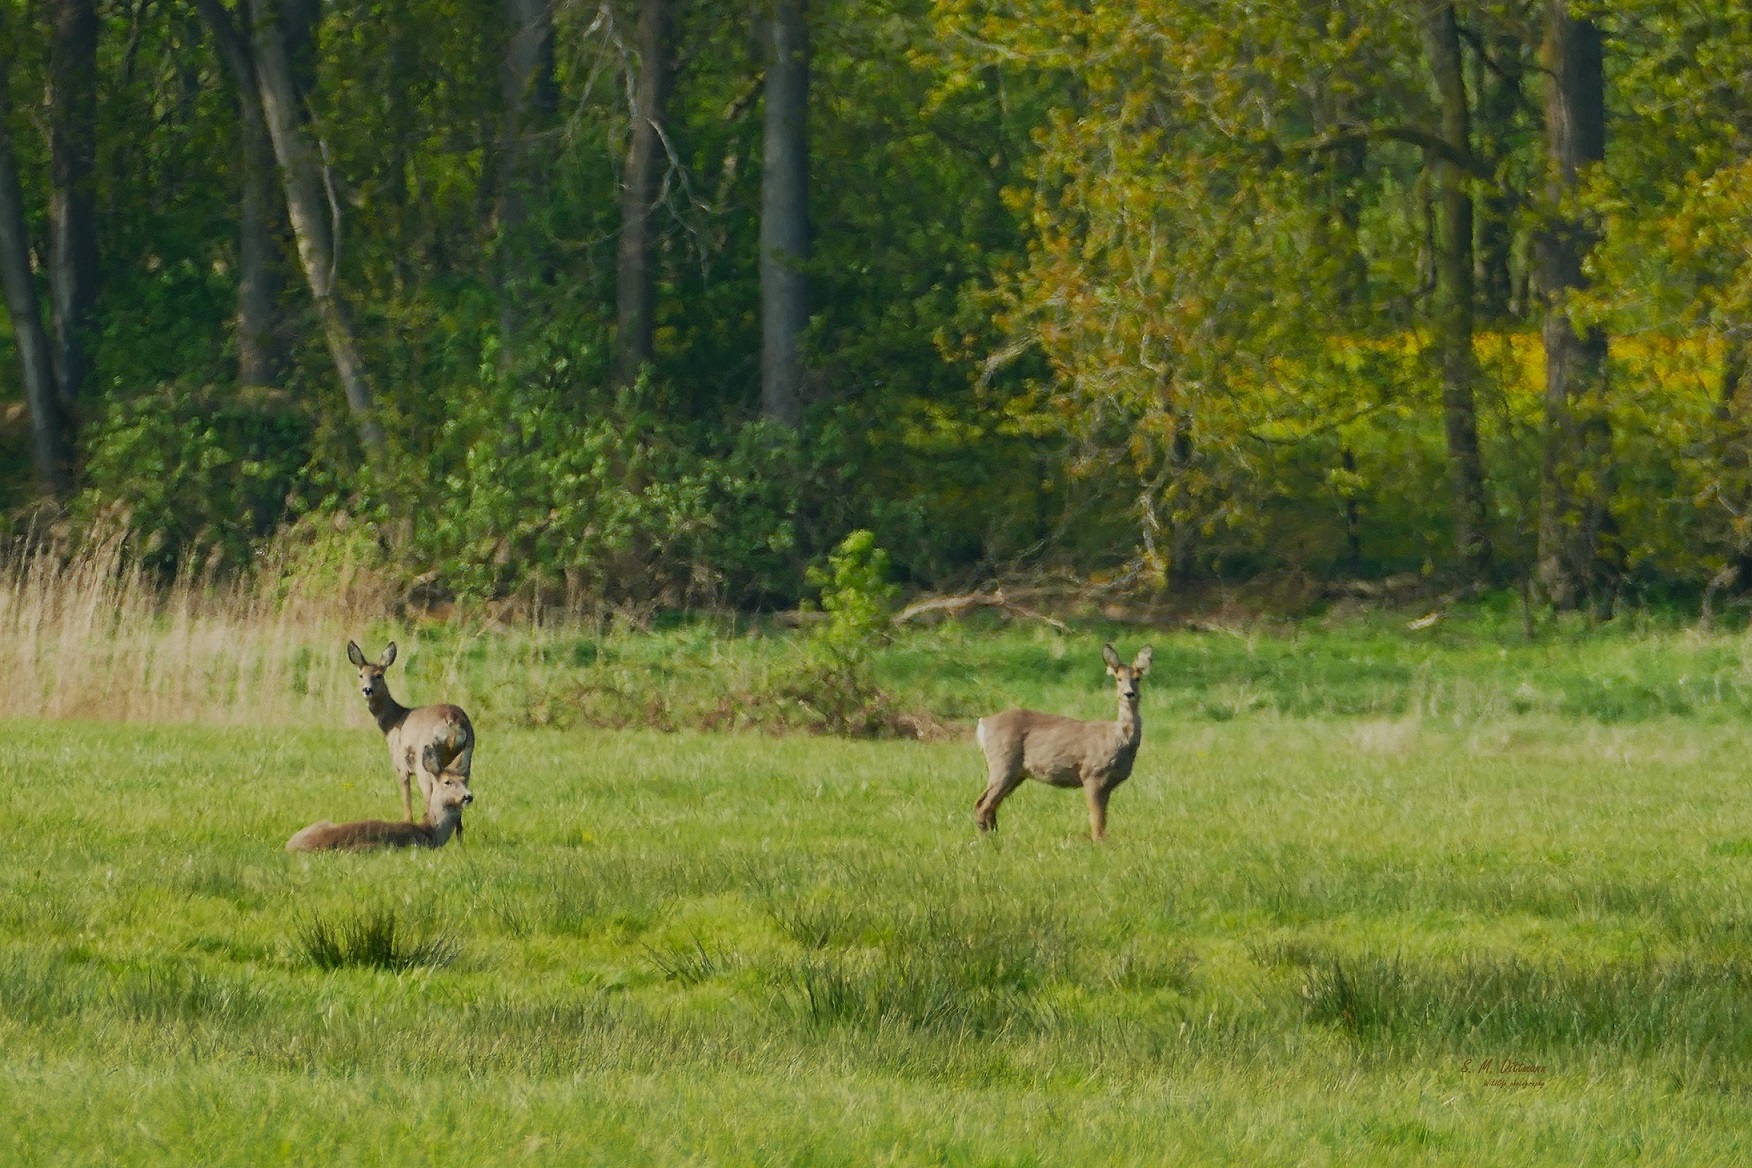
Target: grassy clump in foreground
{"x":1304,"y":941}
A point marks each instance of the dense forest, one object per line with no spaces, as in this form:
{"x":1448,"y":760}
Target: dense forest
{"x":655,"y":301}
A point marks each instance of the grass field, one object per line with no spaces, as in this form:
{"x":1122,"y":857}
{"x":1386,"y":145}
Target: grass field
{"x":1355,"y":873}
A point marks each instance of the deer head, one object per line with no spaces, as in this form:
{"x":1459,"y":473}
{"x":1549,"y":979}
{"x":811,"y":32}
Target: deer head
{"x":370,"y":674}
{"x":1127,"y":676}
{"x":449,"y":788}
{"x":450,"y":793}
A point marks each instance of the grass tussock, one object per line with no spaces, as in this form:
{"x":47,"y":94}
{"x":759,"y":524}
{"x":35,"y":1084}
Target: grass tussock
{"x":372,"y":938}
{"x":691,"y":963}
{"x":159,"y":994}
{"x":1633,"y":1008}
{"x":941,"y":964}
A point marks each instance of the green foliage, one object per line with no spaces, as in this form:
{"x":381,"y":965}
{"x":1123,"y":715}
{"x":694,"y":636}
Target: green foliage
{"x":523,"y":493}
{"x":857,"y":596}
{"x":1138,"y":290}
{"x":829,"y":693}
{"x":194,"y":477}
{"x":324,"y":555}
{"x":829,"y":678}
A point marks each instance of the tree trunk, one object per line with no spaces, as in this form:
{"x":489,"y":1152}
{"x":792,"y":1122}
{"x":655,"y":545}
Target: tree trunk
{"x":50,"y":436}
{"x":1572,"y":506}
{"x":72,"y":198}
{"x":260,"y":359}
{"x":307,"y":205}
{"x":1454,"y":295}
{"x":260,"y":354}
{"x":1499,"y":100}
{"x":1339,"y":227}
{"x":635,"y":274}
{"x":1734,"y":409}
{"x":1353,"y":516}
{"x":1734,"y":452}
{"x":1182,"y":530}
{"x":531,"y":99}
{"x":784,"y":213}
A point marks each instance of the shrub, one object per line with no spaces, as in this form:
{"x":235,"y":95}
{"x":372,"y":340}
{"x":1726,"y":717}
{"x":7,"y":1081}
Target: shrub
{"x":193,"y":477}
{"x":614,"y":507}
{"x":856,"y":595}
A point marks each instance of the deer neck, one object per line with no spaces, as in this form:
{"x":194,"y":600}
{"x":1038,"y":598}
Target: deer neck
{"x":440,"y":827}
{"x":388,"y":712}
{"x":1131,"y":727}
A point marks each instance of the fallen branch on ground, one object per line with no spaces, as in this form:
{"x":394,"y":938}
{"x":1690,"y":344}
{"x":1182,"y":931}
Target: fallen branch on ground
{"x":958,"y":606}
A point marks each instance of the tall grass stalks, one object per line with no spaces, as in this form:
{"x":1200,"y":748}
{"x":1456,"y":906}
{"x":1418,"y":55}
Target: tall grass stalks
{"x":92,"y":635}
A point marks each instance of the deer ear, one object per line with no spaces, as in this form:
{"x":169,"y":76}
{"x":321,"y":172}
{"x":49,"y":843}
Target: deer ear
{"x":388,"y":657}
{"x":429,"y":759}
{"x":355,"y":654}
{"x":1112,"y":658}
{"x":1141,"y":664}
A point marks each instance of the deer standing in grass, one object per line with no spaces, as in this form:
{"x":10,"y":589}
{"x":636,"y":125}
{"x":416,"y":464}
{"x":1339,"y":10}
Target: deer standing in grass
{"x":1064,"y":752}
{"x":443,"y":728}
{"x":447,"y":795}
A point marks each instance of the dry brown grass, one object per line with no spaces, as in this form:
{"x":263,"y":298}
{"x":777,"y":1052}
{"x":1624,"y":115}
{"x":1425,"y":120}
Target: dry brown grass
{"x":87,"y":633}
{"x":92,"y":635}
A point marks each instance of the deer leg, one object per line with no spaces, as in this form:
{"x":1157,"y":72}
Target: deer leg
{"x":407,"y":796}
{"x":1098,"y":796}
{"x":985,"y":811}
{"x":998,"y":789}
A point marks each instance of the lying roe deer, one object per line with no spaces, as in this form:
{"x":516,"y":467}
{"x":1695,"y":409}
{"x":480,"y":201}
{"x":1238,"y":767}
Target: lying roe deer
{"x":446,"y":797}
{"x":444,"y":728}
{"x":1064,"y":752}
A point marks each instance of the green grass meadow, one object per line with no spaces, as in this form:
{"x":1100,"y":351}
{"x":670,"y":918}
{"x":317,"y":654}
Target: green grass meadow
{"x":1367,"y":899}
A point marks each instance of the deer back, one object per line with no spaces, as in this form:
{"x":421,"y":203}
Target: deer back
{"x":360,"y":835}
{"x":444,"y":728}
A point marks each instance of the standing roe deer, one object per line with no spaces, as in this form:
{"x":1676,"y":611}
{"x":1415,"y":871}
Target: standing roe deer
{"x":1064,"y":752}
{"x":443,"y":728}
{"x":445,"y":799}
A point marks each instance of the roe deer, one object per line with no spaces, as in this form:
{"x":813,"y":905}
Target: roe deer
{"x":1064,"y":752}
{"x":444,"y":728}
{"x":446,"y":797}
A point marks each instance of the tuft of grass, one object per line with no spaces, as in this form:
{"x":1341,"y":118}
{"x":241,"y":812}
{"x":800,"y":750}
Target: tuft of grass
{"x":1141,"y":968}
{"x":814,"y":922}
{"x":922,"y":992}
{"x":372,"y":938}
{"x":1633,"y":1008}
{"x":159,"y":994}
{"x":945,"y":967}
{"x":690,"y":964}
